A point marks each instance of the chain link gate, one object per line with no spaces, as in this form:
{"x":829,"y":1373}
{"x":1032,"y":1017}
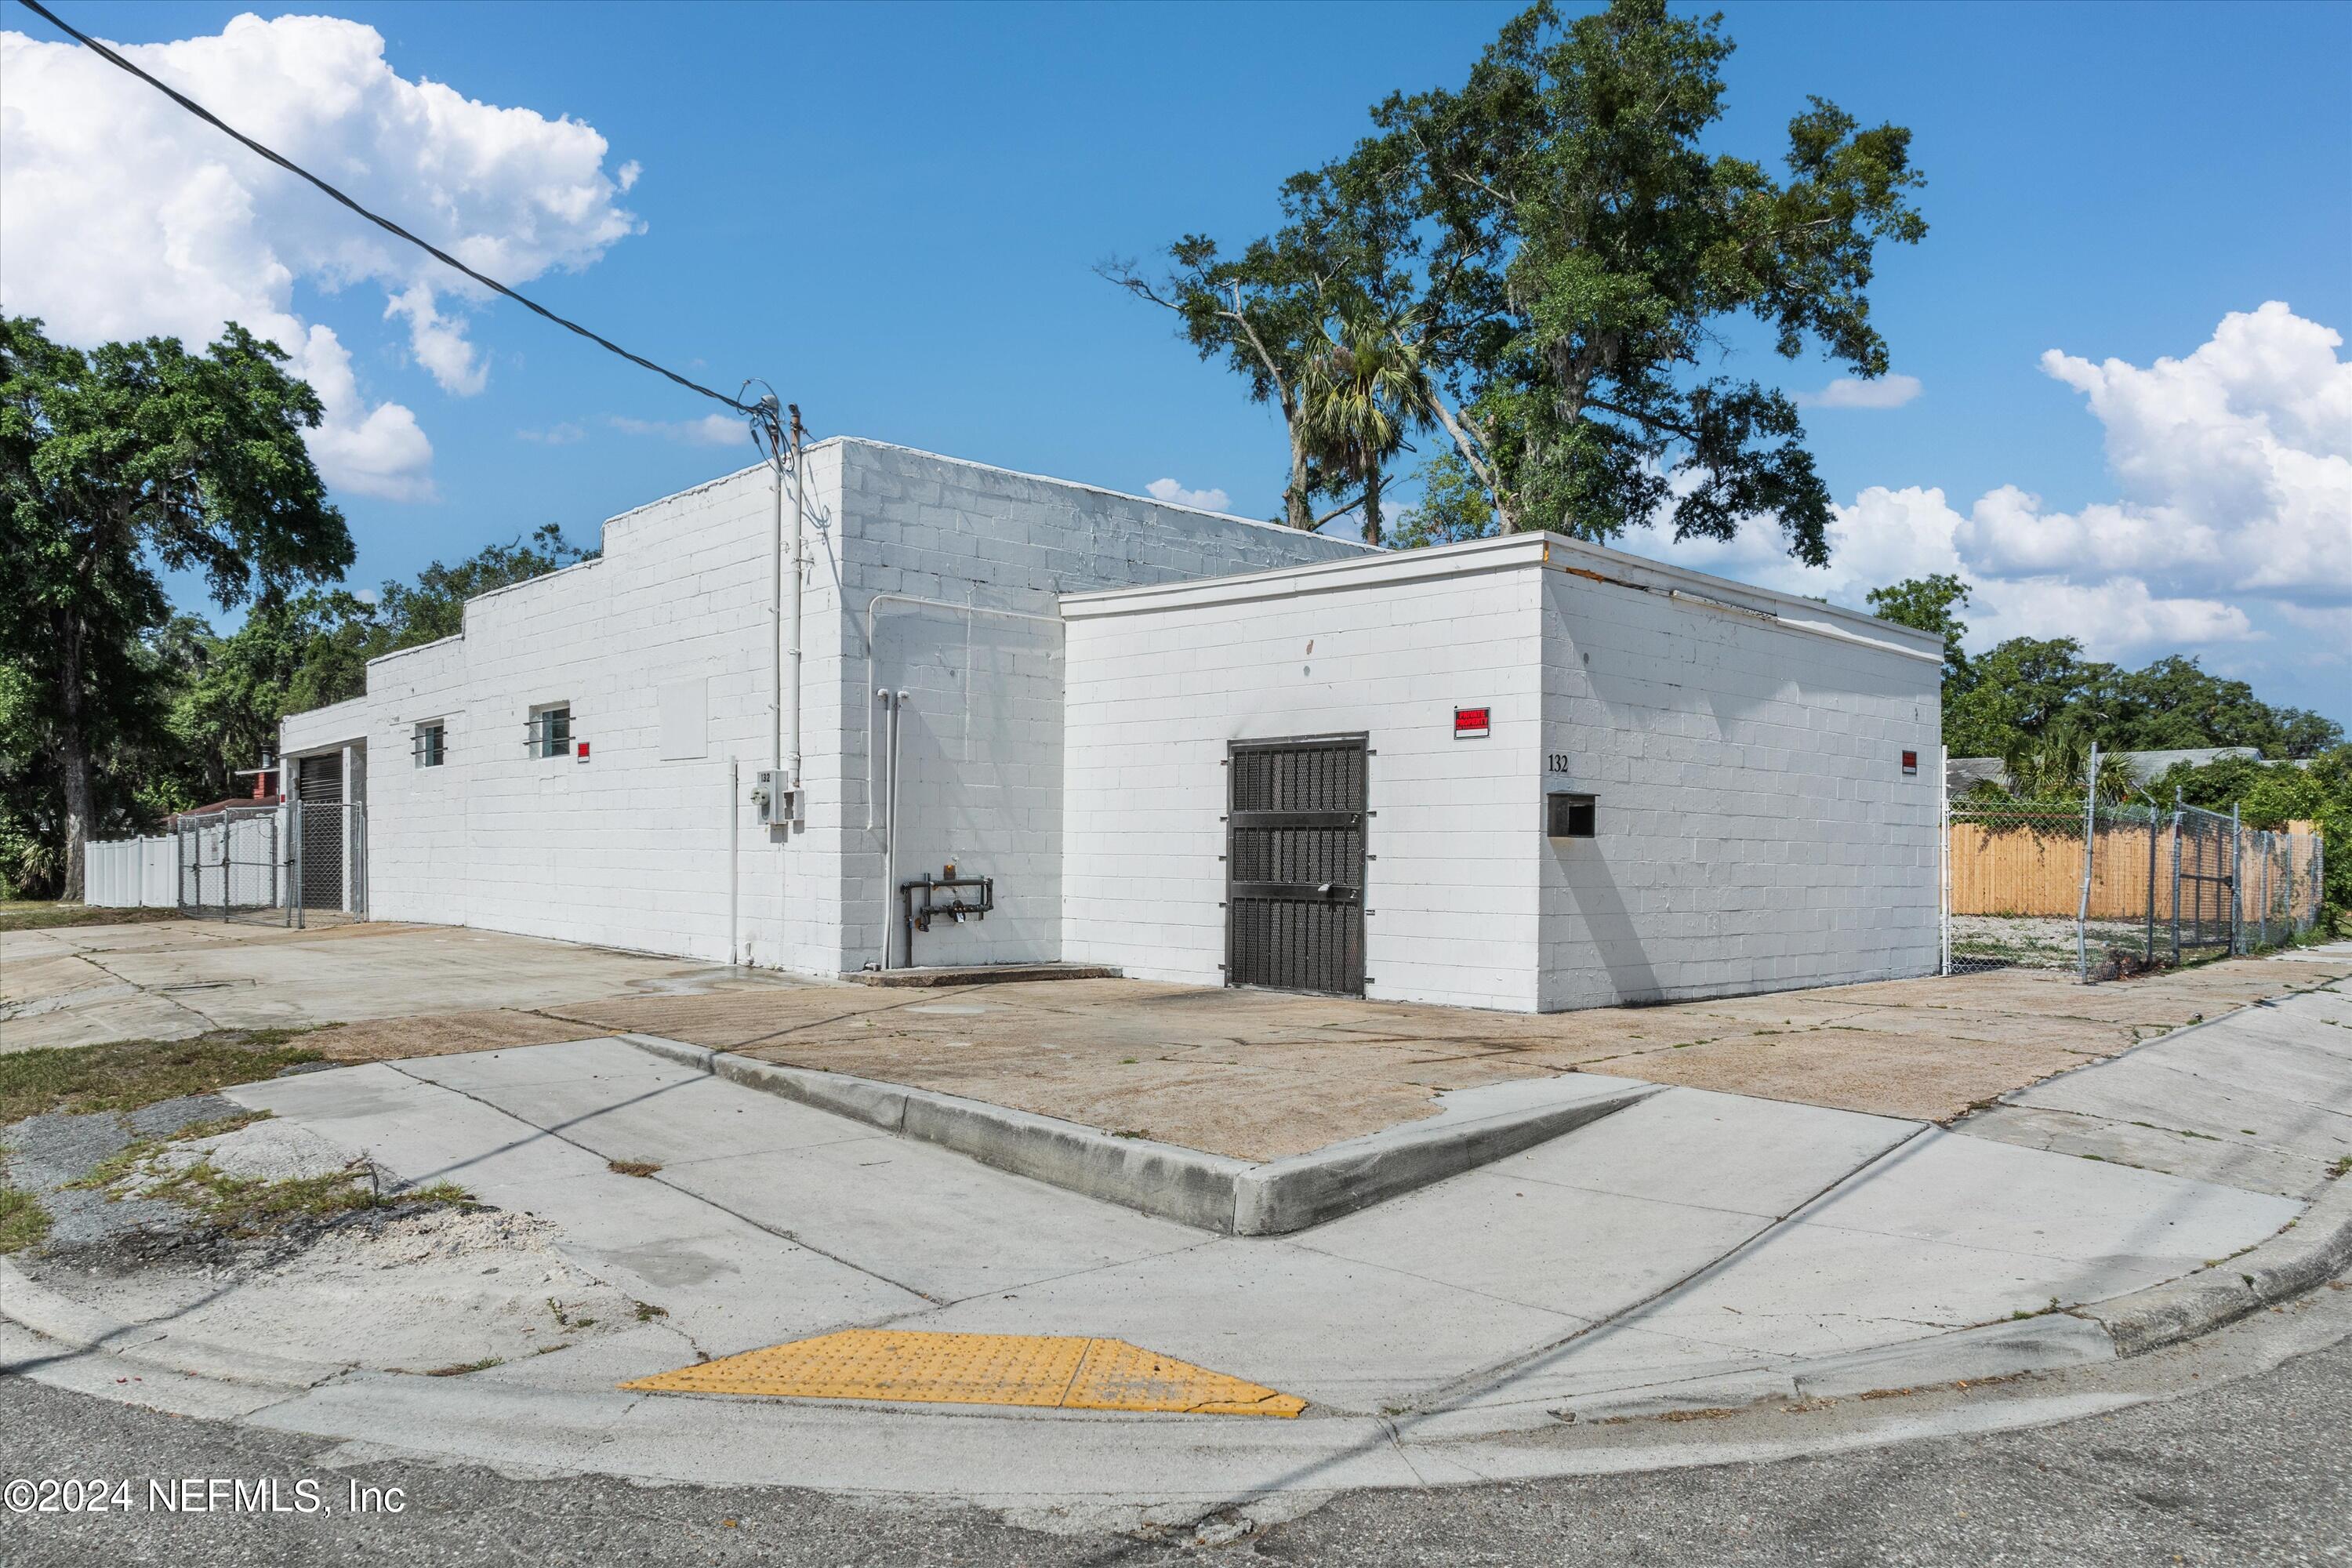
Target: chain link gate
{"x":233,"y":865}
{"x":2013,"y":892}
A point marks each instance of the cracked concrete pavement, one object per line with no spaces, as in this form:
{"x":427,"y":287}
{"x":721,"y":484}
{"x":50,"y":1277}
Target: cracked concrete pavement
{"x":1695,"y":1250}
{"x":1254,"y":1075}
{"x":1701,"y":1248}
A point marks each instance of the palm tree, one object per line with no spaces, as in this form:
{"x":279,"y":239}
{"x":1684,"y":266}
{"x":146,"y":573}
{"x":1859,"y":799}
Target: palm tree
{"x":1362,"y":391}
{"x":2050,"y":766}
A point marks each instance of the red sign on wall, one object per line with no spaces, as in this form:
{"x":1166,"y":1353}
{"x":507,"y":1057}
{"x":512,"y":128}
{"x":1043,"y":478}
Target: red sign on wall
{"x":1469,"y":723}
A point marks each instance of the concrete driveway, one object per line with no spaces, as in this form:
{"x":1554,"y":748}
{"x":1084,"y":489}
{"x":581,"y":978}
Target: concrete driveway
{"x":1254,"y":1075}
{"x":173,"y":979}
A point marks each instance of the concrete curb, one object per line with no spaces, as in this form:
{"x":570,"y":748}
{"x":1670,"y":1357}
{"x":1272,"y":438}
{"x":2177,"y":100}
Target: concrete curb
{"x":980,"y":974}
{"x":1213,"y":1192}
{"x":82,"y":1330}
{"x":2312,"y":1250}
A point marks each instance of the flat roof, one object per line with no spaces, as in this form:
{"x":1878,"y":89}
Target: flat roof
{"x":1697,"y":590}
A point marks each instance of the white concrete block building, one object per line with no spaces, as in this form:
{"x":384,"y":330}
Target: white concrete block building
{"x":1583,"y":778}
{"x":1190,"y":746}
{"x":578,"y":764}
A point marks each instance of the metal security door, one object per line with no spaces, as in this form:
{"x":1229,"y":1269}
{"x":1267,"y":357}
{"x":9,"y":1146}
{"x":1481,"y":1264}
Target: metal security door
{"x":1295,"y":865}
{"x":318,"y":785}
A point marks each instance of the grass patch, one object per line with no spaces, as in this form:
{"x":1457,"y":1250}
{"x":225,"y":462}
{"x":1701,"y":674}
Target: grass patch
{"x":133,"y":1156}
{"x":23,"y":1221}
{"x":631,"y":1167}
{"x":462,"y":1368}
{"x":248,"y":1205}
{"x":52,"y":914}
{"x":124,"y":1075}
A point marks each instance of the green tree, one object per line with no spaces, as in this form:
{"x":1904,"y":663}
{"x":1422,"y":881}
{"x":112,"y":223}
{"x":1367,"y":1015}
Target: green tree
{"x":1564,"y":253}
{"x":1452,"y":508}
{"x":113,"y":463}
{"x":435,"y":606}
{"x":293,"y":654}
{"x":1361,"y":395}
{"x":1931,"y":605}
{"x":312,"y":648}
{"x":1602,"y":250}
{"x":2019,"y":690}
{"x":2055,"y":765}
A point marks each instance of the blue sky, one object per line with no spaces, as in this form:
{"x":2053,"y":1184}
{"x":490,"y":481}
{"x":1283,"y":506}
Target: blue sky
{"x":891,"y":214}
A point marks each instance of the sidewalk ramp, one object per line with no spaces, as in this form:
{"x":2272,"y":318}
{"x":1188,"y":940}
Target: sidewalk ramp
{"x":1059,"y":1372}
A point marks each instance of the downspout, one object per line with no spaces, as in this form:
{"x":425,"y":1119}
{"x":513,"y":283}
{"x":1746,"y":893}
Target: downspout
{"x":792,"y":621}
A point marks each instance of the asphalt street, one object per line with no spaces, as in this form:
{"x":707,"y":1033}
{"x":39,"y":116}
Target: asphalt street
{"x":2257,"y":1470}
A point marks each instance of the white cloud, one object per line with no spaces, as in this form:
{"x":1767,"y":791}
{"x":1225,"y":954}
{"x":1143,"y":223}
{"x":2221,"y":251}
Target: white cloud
{"x":2236,"y":465}
{"x":1848,"y":391}
{"x":563,"y":434}
{"x":1174,"y":494}
{"x":126,"y":216}
{"x":439,"y":344}
{"x":2250,"y":436}
{"x":710,"y":430}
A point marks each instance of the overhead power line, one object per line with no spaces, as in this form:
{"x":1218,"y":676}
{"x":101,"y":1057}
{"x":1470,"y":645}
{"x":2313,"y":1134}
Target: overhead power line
{"x":765,"y":412}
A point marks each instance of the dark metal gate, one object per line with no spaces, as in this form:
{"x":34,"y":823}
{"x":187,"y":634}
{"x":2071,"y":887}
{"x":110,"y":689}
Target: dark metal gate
{"x":1294,"y":864}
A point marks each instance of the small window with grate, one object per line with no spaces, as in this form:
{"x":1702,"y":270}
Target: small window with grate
{"x":550,"y":731}
{"x":428,"y":747}
{"x":1568,"y":816}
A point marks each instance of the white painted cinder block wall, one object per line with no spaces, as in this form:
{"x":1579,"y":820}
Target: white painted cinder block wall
{"x":630,"y":848}
{"x":1755,"y":829}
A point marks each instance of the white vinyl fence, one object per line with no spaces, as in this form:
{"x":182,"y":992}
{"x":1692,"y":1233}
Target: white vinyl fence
{"x":132,"y":873}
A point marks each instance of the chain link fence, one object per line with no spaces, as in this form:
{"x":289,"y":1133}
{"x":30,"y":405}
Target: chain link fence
{"x":301,"y":864}
{"x":2105,"y":891}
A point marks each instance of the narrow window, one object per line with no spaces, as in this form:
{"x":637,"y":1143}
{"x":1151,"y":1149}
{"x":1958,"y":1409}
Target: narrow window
{"x":1568,"y":816}
{"x":550,"y":731}
{"x":429,"y":746}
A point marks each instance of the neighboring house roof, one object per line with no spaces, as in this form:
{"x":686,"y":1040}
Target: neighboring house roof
{"x":1963,"y":773}
{"x":220,"y":806}
{"x":1960,"y":773}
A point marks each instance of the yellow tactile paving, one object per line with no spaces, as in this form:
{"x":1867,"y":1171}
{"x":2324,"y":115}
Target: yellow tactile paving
{"x":1060,"y":1370}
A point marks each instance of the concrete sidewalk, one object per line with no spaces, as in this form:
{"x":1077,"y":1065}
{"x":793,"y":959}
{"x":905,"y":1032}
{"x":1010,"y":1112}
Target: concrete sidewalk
{"x":1693,"y":1251}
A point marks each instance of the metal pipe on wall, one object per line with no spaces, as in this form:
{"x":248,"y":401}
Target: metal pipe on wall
{"x":2090,"y":840}
{"x":895,"y":705}
{"x":873,"y":604}
{"x":792,"y":621}
{"x":734,"y":837}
